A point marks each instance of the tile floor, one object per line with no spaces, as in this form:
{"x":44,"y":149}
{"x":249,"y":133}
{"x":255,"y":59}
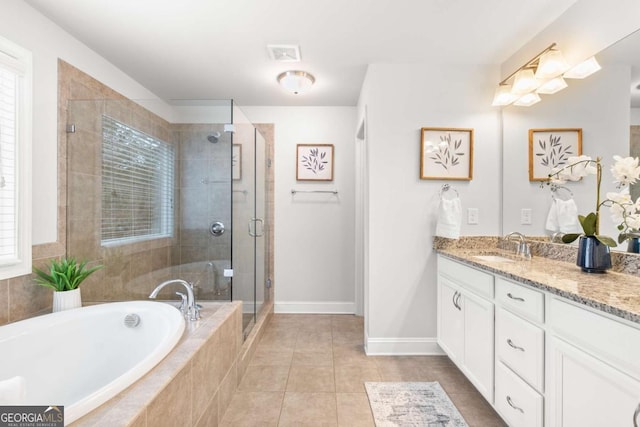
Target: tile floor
{"x":309,"y":370}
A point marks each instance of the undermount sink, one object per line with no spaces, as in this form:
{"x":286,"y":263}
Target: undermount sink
{"x":493,"y":258}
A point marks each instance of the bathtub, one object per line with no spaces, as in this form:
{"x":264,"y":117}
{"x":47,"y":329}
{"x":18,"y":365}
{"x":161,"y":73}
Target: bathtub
{"x":81,"y":358}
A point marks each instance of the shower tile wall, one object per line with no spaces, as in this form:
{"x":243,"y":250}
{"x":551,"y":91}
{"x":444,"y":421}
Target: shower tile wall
{"x":204,"y":196}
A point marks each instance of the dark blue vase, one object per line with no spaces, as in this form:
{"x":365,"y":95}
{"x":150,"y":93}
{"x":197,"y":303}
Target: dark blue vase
{"x":593,"y":256}
{"x":633,"y":245}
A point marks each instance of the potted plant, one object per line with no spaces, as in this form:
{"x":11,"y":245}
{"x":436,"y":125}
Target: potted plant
{"x":64,"y":276}
{"x":593,"y":249}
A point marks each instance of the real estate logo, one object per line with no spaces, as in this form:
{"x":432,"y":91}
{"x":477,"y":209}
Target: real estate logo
{"x":31,"y":416}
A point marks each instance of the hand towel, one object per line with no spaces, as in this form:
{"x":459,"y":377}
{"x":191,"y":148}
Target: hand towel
{"x":568,"y":216}
{"x":552,"y":218}
{"x":449,"y":218}
{"x":13,"y":391}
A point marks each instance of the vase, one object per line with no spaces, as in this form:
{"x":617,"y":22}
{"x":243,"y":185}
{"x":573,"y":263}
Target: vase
{"x":593,"y":255}
{"x":66,"y":300}
{"x":633,"y":245}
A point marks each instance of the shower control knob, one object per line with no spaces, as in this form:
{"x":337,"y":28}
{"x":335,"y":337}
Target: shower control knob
{"x":217,"y":228}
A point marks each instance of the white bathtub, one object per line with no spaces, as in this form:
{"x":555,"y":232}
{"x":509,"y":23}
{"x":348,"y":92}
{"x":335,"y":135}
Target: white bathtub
{"x":81,"y":358}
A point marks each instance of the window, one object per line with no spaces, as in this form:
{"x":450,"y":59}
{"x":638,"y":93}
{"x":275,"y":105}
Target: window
{"x":15,"y":160}
{"x":137,"y":185}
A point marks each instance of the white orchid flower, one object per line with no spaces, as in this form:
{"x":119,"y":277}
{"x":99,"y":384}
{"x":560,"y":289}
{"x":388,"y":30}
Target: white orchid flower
{"x":625,"y":170}
{"x":622,"y":206}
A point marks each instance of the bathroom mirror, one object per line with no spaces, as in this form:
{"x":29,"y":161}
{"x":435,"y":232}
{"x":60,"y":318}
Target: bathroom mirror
{"x":606,"y":106}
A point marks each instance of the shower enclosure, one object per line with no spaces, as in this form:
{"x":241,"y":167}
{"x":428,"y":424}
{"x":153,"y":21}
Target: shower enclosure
{"x":160,"y":191}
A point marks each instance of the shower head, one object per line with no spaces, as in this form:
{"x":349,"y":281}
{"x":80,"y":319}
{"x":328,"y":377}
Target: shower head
{"x":213,"y":137}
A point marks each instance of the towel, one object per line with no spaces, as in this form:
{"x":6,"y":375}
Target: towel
{"x":13,"y":391}
{"x":563,"y":217}
{"x":449,"y":218}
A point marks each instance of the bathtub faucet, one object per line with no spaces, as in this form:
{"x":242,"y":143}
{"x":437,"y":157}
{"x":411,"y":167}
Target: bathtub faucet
{"x":190,"y":310}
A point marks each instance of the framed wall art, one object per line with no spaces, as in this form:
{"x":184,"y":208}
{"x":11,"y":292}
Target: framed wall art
{"x":314,"y":162}
{"x":236,"y":162}
{"x":446,"y":153}
{"x":551,"y":148}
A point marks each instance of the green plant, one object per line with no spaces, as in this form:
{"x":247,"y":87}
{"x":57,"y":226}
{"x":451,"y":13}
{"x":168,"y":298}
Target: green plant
{"x":65,"y":274}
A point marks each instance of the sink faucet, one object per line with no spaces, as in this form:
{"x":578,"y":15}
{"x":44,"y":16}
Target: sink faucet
{"x":190,"y":309}
{"x":523,"y":248}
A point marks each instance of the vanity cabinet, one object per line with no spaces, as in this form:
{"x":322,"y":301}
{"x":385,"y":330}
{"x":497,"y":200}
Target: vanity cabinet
{"x":593,"y":369}
{"x":538,"y":358}
{"x":465,"y":323}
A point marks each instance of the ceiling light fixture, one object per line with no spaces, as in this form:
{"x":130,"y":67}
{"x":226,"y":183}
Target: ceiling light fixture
{"x":296,"y":81}
{"x":544,"y":73}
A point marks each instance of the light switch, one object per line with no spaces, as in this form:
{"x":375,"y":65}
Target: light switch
{"x":472,"y":216}
{"x":525,"y":216}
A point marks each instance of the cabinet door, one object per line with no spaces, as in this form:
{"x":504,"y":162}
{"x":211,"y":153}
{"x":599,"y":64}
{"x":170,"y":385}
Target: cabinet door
{"x":450,"y":320}
{"x":478,"y":343}
{"x":584,"y":391}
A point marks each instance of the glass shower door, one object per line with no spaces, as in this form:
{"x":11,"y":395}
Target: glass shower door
{"x":249,"y":201}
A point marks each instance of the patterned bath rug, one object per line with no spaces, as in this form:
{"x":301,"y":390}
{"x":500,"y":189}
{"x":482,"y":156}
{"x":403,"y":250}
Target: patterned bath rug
{"x":412,"y":405}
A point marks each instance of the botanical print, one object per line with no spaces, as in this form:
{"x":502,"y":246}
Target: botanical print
{"x":550,"y":149}
{"x":450,"y":155}
{"x":314,"y":162}
{"x":446,"y":153}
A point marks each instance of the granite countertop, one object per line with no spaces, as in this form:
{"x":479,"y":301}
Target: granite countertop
{"x":612,"y":292}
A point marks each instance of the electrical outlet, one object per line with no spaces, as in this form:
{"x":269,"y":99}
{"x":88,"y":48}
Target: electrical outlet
{"x":525,"y":216}
{"x":472,"y":216}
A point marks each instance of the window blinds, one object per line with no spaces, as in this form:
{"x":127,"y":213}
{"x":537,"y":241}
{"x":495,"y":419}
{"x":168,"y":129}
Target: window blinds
{"x":137,"y":184}
{"x":9,"y":86}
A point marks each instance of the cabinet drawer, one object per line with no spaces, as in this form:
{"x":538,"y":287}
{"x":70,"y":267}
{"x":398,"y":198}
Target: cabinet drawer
{"x":520,"y":299}
{"x":517,"y":403}
{"x":612,"y":341}
{"x":477,"y":281}
{"x":520,"y":345}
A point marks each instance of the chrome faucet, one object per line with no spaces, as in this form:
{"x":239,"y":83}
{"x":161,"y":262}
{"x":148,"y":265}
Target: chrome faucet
{"x":523,"y":248}
{"x":189,"y":307}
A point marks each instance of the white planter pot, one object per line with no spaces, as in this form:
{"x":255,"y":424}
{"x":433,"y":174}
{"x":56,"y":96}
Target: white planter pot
{"x":66,"y":300}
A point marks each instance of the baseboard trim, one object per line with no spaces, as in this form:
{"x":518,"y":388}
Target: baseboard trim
{"x":309,"y":307}
{"x":403,"y":347}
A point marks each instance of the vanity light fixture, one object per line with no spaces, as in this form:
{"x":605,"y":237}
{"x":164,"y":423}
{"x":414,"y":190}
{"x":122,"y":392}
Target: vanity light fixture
{"x":551,"y":64}
{"x":503,"y":96}
{"x":528,"y":99}
{"x":583,"y":69}
{"x":524,"y":82}
{"x":552,"y":86}
{"x":296,"y":81}
{"x":545,"y":74}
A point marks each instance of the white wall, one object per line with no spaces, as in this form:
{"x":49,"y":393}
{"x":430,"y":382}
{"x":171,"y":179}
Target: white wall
{"x":635,"y":116}
{"x":599,"y":105}
{"x":400,"y":99}
{"x":24,"y":26}
{"x":314,"y":233}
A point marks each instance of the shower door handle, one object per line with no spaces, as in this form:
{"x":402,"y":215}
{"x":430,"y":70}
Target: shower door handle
{"x":253,"y":232}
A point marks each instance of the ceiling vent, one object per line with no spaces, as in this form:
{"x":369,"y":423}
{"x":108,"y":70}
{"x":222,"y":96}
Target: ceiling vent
{"x":284,"y":52}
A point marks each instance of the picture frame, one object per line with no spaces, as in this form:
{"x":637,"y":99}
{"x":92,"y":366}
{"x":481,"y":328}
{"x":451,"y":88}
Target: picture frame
{"x":314,"y":162}
{"x":551,"y":148}
{"x":236,"y":162}
{"x":446,"y":153}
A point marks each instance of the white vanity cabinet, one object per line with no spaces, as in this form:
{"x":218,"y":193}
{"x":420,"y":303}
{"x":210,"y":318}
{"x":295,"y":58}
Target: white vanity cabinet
{"x":465,"y":322}
{"x":557,"y":363}
{"x":593,"y":369}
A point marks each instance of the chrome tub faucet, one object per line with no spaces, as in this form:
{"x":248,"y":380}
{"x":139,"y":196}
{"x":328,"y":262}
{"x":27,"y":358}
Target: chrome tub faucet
{"x":188,"y":308}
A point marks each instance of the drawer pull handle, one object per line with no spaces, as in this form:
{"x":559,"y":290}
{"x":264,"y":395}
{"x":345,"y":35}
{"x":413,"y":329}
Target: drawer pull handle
{"x":455,"y":294}
{"x":515,"y":298}
{"x":635,"y":416}
{"x":458,"y":301}
{"x":512,"y":345}
{"x":510,"y":402}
